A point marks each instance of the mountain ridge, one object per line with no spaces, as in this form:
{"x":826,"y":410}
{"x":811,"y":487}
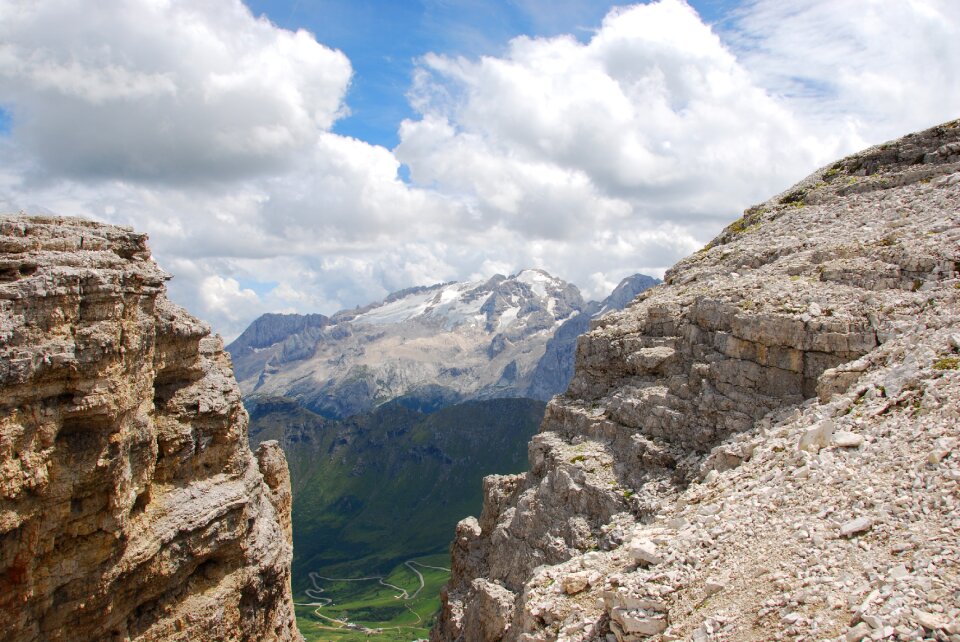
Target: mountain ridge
{"x":452,"y":340}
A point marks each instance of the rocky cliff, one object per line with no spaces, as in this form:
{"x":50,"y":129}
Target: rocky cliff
{"x":131,"y":507}
{"x":765,"y":447}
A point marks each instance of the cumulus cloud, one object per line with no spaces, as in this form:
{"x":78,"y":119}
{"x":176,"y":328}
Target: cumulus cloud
{"x":595,"y":158}
{"x":225,"y":297}
{"x":637,"y":145}
{"x":169,"y":91}
{"x":654,"y":111}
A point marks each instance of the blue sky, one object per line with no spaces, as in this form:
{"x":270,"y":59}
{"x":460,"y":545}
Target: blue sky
{"x":344,"y":149}
{"x":384,"y":38}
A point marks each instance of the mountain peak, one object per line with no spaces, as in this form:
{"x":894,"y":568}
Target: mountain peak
{"x":534,"y":275}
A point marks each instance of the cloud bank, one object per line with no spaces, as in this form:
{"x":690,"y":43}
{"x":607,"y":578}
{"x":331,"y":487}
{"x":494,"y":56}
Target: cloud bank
{"x":211,"y":129}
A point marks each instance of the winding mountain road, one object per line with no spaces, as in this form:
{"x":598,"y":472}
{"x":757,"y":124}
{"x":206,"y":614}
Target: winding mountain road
{"x":410,"y":564}
{"x":314,"y":594}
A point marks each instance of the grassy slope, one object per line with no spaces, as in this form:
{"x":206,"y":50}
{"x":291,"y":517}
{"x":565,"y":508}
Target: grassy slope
{"x":375,"y":606}
{"x":380,"y":488}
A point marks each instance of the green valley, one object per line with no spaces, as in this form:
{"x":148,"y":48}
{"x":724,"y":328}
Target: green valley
{"x":379,"y":489}
{"x":359,"y":606}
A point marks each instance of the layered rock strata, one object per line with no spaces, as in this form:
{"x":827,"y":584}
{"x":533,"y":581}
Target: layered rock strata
{"x":131,"y":507}
{"x":765,"y":447}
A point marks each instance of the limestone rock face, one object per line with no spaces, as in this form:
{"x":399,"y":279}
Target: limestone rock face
{"x":764,"y":447}
{"x":131,"y":507}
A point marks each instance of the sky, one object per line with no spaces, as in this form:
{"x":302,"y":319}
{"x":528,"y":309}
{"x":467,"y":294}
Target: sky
{"x":315,"y":155}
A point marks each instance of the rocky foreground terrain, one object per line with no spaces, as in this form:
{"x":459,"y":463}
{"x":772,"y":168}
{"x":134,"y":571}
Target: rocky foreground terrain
{"x":131,"y":507}
{"x":763,"y":448}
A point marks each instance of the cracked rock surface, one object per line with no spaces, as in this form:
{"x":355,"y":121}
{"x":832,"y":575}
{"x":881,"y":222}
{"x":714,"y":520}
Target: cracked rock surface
{"x":131,"y":507}
{"x":765,"y":447}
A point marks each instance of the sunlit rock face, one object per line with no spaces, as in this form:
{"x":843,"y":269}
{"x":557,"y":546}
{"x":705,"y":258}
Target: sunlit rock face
{"x":764,"y":447}
{"x":131,"y":506}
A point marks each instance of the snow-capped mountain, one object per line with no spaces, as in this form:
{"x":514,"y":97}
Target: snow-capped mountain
{"x":555,"y":368}
{"x":499,"y":304}
{"x":434,"y":345}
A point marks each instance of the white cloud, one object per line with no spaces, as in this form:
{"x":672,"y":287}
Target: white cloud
{"x":639,"y":144}
{"x":175,"y":92}
{"x":653,"y":119}
{"x":879,"y":68}
{"x":605,"y":157}
{"x":224,"y":296}
{"x":595,"y":158}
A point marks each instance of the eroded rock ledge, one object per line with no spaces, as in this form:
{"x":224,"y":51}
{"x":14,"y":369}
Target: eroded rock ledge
{"x":131,"y":507}
{"x":763,"y":448}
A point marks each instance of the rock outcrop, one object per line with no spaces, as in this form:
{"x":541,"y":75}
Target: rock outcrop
{"x":764,"y":447}
{"x":131,"y":507}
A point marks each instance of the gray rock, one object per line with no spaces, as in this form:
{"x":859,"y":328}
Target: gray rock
{"x":856,"y":526}
{"x":858,"y":633}
{"x":929,"y":621}
{"x":847,"y":439}
{"x":818,"y":436}
{"x":634,"y":623}
{"x":645,"y":552}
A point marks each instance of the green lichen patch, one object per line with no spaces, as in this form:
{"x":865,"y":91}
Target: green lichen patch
{"x":833,"y":172}
{"x":947,"y":363}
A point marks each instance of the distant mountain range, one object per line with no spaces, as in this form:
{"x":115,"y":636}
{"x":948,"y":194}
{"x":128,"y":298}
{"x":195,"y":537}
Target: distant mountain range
{"x":428,"y":346}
